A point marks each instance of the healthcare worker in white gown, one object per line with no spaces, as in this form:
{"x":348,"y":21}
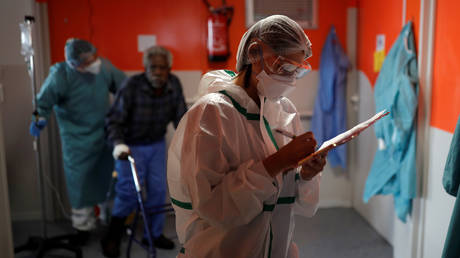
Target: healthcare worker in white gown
{"x":234,"y":181}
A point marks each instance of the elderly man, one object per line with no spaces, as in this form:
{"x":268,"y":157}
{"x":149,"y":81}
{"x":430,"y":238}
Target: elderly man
{"x":136,"y":124}
{"x":78,"y":90}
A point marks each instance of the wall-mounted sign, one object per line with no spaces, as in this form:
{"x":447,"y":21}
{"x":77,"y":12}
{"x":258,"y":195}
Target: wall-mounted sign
{"x":379,"y":54}
{"x":145,"y":41}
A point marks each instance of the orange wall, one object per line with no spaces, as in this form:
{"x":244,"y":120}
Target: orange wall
{"x":113,"y":26}
{"x":445,"y":106}
{"x":376,"y":17}
{"x":413,"y":13}
{"x":331,"y":12}
{"x":180,"y":25}
{"x":372,"y":20}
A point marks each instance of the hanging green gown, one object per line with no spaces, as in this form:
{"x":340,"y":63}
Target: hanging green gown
{"x":80,"y":102}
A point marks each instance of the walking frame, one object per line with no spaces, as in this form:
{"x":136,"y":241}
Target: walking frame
{"x":151,"y":252}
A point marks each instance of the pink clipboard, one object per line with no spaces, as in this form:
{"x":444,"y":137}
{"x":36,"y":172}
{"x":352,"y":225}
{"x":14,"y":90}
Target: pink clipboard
{"x":345,"y":137}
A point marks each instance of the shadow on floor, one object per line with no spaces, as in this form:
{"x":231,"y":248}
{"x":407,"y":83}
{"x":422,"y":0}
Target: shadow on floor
{"x":339,"y":232}
{"x":332,"y":232}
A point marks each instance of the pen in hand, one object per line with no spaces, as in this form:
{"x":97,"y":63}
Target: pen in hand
{"x":285,"y":133}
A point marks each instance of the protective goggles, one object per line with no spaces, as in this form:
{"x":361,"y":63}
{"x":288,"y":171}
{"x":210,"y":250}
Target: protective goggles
{"x":287,"y":67}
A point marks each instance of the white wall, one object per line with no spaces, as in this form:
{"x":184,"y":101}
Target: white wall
{"x":438,"y":204}
{"x":379,"y":211}
{"x":12,"y":12}
{"x":335,"y":190}
{"x":11,"y":62}
{"x":16,"y":110}
{"x":336,"y":183}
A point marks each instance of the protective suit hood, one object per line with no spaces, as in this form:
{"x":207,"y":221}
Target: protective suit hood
{"x":215,"y":81}
{"x":219,"y":80}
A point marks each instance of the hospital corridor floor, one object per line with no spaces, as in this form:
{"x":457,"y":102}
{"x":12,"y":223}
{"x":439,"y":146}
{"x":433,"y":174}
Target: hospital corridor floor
{"x":332,"y":232}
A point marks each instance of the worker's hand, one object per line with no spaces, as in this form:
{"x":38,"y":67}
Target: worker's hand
{"x":313,"y":166}
{"x":37,"y":126}
{"x":121,"y":151}
{"x":289,"y":155}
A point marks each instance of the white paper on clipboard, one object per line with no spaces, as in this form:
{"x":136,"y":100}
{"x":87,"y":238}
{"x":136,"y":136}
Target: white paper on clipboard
{"x":346,"y":136}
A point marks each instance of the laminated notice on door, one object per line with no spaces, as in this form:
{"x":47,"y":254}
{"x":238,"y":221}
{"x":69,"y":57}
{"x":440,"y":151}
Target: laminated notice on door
{"x":345,"y":137}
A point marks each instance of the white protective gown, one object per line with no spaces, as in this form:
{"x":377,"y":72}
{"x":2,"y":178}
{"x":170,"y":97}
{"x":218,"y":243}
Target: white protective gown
{"x":226,"y":204}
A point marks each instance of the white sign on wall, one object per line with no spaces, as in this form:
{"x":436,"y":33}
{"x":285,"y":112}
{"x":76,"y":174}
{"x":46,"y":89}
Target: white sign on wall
{"x":145,"y":41}
{"x":380,"y":42}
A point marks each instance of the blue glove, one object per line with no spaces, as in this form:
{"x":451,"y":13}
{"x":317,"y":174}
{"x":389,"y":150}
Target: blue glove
{"x":36,"y":127}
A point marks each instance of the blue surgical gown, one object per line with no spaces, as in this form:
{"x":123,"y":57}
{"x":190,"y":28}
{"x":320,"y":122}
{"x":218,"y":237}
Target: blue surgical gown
{"x":80,"y":102}
{"x":329,"y":113}
{"x":393,"y":170}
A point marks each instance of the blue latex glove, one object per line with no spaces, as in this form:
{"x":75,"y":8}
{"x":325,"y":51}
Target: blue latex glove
{"x":36,"y":127}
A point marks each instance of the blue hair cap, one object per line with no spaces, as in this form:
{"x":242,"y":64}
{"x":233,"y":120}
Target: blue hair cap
{"x":78,"y":51}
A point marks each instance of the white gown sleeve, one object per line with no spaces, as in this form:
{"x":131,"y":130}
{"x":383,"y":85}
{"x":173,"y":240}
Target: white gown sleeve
{"x":307,"y":192}
{"x":223,"y":195}
{"x":307,"y":196}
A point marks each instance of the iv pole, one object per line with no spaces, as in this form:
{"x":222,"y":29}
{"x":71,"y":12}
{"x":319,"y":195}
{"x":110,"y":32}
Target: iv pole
{"x":40,"y":244}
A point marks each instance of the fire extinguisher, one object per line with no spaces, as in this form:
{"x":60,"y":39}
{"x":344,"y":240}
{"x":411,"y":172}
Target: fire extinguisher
{"x":217,"y":38}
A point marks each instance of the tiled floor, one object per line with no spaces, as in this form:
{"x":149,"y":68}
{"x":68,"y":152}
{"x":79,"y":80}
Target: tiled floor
{"x":332,"y":232}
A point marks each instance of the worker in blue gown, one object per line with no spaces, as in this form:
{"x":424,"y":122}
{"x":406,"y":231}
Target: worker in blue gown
{"x":393,"y":170}
{"x":330,"y":110}
{"x":78,"y":91}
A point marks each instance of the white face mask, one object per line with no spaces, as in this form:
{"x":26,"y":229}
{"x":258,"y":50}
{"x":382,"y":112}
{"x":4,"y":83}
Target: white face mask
{"x":274,"y":86}
{"x":94,"y":67}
